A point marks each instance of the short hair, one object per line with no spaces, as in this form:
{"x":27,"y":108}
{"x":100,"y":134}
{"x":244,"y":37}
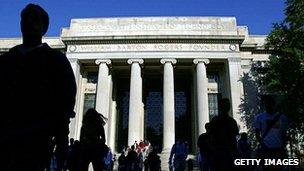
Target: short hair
{"x":38,"y":10}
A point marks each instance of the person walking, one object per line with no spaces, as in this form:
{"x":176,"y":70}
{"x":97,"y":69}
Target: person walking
{"x":223,"y":132}
{"x":92,"y":139}
{"x":271,"y":132}
{"x":38,"y":92}
{"x":178,"y":155}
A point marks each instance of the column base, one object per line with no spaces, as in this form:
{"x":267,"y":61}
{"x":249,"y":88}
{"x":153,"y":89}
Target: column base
{"x":164,"y":157}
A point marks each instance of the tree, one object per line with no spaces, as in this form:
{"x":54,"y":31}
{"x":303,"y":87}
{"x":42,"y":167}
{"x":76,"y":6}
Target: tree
{"x":283,"y":74}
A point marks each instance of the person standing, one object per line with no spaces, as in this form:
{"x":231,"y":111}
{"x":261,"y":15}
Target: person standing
{"x":179,"y":154}
{"x":38,"y":92}
{"x":223,"y":132}
{"x":92,"y":139}
{"x":153,"y":161}
{"x":271,"y":132}
{"x":205,"y":148}
{"x":132,"y":160}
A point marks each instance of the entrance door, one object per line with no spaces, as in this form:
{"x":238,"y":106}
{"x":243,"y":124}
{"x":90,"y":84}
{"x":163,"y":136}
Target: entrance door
{"x":182,"y":96}
{"x":154,"y":111}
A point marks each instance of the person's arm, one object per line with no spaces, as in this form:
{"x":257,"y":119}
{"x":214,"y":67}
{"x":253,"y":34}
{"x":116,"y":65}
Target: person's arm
{"x":171,"y":154}
{"x":65,"y":89}
{"x":285,"y":132}
{"x":236,"y":128}
{"x":258,"y":135}
{"x":257,"y":129}
{"x":68,"y":85}
{"x":102,"y":134}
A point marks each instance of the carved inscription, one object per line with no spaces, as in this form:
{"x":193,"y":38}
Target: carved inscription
{"x":154,"y":26}
{"x":151,"y":47}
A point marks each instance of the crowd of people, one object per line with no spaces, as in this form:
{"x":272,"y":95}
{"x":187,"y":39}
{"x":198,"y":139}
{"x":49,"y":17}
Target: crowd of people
{"x":140,"y":156}
{"x":222,"y":143}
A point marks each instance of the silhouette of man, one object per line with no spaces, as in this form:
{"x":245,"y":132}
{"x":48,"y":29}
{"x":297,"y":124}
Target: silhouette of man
{"x":271,"y":128}
{"x":204,"y":144}
{"x":37,"y":97}
{"x":223,"y":131}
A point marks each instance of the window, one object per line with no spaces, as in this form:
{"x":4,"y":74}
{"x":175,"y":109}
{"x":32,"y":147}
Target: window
{"x":89,"y":101}
{"x":213,"y":99}
{"x":92,"y":77}
{"x":213,"y":77}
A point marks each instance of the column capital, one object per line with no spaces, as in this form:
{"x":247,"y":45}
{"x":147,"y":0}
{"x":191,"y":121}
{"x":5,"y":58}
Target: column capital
{"x":73,"y":60}
{"x":99,"y":61}
{"x":140,"y":61}
{"x":234,"y":59}
{"x":166,"y":60}
{"x":204,"y":60}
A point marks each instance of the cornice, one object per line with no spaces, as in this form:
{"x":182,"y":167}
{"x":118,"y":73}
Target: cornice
{"x":152,"y":39}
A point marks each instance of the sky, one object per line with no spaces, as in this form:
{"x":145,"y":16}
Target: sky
{"x":258,"y":15}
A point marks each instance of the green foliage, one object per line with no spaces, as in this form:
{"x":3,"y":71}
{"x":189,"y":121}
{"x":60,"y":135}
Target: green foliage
{"x":283,"y":74}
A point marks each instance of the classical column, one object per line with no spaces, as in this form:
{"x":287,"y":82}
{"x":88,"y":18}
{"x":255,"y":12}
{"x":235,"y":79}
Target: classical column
{"x":168,"y":108}
{"x":73,"y":126}
{"x":202,"y":94}
{"x":135,"y":102}
{"x":112,"y":118}
{"x":234,"y":66}
{"x":103,"y":91}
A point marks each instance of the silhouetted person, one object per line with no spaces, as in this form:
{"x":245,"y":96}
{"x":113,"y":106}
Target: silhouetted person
{"x":244,"y":151}
{"x":153,"y":161}
{"x":271,"y":128}
{"x":132,"y":160}
{"x":37,"y":97}
{"x":75,"y":157}
{"x":223,"y":131}
{"x":71,"y":142}
{"x":70,"y":154}
{"x":244,"y":146}
{"x":122,"y":162}
{"x":108,"y":159}
{"x":178,"y":155}
{"x":92,"y":139}
{"x":204,"y":144}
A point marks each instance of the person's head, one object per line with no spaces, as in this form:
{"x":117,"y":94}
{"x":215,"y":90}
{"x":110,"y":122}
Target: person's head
{"x":243,"y":136}
{"x":132,"y":147}
{"x":207,"y":127}
{"x":179,"y":140}
{"x":34,"y":21}
{"x":269,"y":103}
{"x":224,"y":106}
{"x":91,"y":116}
{"x":71,"y":141}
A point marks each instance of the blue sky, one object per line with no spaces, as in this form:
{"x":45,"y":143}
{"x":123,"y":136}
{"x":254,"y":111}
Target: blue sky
{"x":258,"y":15}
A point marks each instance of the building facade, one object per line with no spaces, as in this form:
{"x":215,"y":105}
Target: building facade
{"x":156,"y":78}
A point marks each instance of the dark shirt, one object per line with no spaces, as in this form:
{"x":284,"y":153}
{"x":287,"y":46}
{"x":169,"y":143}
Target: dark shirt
{"x":37,"y":90}
{"x":204,"y":144}
{"x":154,"y":161}
{"x":223,"y":131}
{"x":92,"y":131}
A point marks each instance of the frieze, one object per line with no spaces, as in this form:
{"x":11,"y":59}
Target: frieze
{"x":154,"y":26}
{"x":165,"y":47}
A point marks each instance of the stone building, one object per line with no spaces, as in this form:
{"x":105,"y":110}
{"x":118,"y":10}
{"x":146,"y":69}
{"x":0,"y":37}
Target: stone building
{"x":156,"y":78}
